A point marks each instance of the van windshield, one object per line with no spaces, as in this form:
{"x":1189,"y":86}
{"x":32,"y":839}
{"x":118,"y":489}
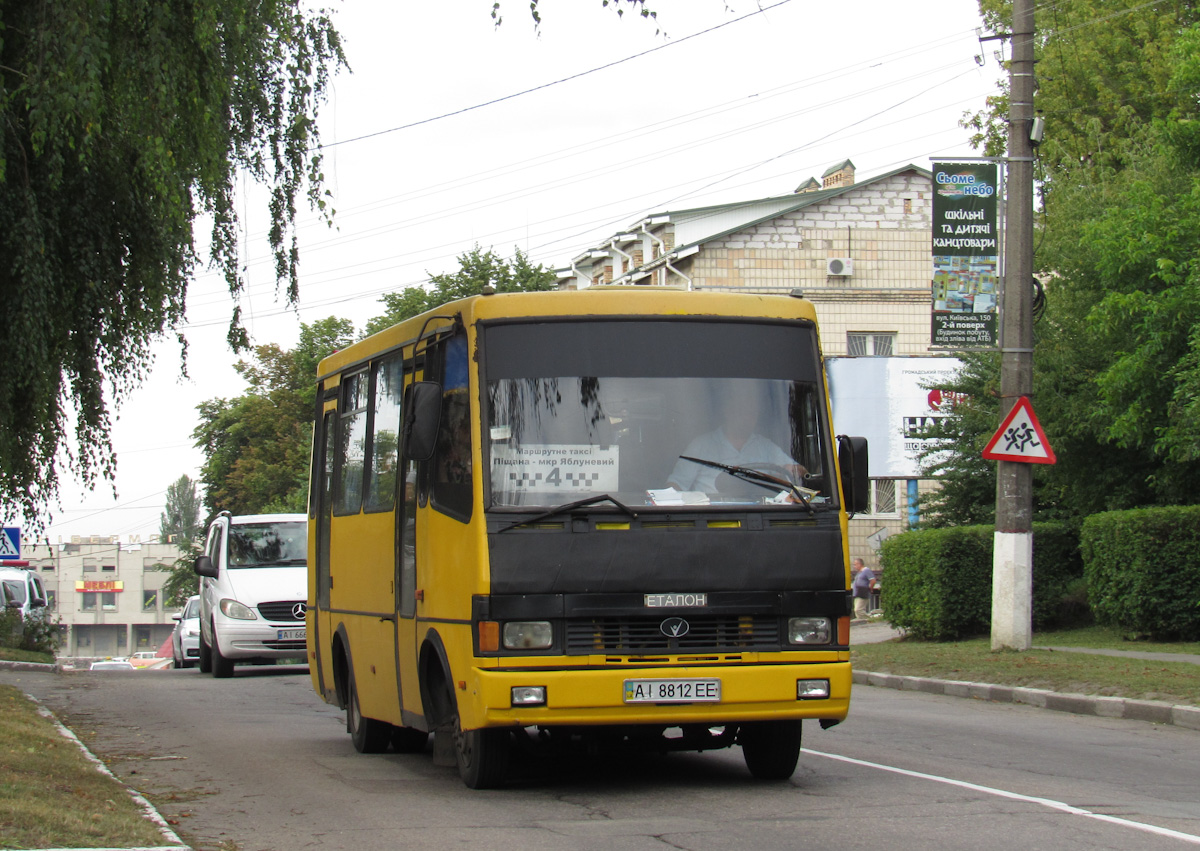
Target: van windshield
{"x":268,"y":544}
{"x":14,"y":592}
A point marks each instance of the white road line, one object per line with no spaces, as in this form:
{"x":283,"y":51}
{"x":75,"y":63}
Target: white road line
{"x":1016,"y":796}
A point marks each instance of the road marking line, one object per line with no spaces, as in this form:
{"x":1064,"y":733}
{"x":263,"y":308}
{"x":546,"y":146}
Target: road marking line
{"x":1016,"y":796}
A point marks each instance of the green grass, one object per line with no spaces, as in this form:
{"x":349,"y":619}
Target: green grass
{"x":11,"y":654}
{"x":51,"y":796}
{"x":973,"y":660}
{"x":1107,"y":638}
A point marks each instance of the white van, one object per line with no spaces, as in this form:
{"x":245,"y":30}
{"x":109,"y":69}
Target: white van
{"x":21,"y":589}
{"x":253,"y":588}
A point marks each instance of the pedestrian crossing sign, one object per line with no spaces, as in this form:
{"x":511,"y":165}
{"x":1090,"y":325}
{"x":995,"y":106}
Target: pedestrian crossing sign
{"x":1020,"y":438}
{"x":10,"y":543}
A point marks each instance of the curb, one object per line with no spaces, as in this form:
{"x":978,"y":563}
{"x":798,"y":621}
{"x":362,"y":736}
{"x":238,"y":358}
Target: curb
{"x":1154,"y":711}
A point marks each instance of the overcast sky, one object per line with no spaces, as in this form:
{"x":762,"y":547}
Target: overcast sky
{"x":450,"y":132}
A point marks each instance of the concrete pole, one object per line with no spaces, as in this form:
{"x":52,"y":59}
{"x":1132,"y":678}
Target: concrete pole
{"x":1012,"y":559}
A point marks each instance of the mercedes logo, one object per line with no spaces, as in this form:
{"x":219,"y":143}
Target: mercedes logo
{"x":674,"y":627}
{"x":298,"y":611}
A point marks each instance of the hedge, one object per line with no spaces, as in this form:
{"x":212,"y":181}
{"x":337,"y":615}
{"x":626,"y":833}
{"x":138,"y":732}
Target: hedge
{"x":1143,"y":570}
{"x":937,"y":583}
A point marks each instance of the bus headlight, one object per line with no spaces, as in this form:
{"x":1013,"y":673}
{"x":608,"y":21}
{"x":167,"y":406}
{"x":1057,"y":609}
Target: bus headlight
{"x":528,"y":695}
{"x":812,"y":689}
{"x":237,"y":611}
{"x":528,"y":635}
{"x":809,"y":630}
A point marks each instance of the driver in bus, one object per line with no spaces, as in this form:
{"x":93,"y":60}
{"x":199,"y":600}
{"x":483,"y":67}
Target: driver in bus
{"x":736,"y":443}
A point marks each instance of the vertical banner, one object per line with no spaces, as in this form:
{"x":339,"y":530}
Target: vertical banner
{"x":966,"y":255}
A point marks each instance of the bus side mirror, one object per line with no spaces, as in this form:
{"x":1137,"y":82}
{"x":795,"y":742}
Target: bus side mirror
{"x":422,"y":416}
{"x":205,"y":567}
{"x":852,"y":464}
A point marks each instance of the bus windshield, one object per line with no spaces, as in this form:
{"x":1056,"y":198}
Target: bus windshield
{"x":655,"y":414}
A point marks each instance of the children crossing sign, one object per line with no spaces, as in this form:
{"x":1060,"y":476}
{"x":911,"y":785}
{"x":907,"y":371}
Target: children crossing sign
{"x":10,"y":543}
{"x":1020,"y":438}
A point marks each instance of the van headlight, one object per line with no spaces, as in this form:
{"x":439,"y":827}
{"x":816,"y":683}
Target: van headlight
{"x":528,"y":635}
{"x":809,"y":630}
{"x":237,"y":611}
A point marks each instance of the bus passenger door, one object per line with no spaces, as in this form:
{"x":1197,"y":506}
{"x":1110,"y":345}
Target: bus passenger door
{"x":407,"y":681}
{"x":321,"y":639}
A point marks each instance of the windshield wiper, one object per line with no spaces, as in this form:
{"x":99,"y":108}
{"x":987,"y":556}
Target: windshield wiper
{"x":755,"y":477}
{"x":571,"y":506}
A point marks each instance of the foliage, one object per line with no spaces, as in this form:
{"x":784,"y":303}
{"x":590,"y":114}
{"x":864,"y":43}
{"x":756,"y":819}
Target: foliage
{"x":1143,"y":567}
{"x":257,"y":445}
{"x":180,"y":525}
{"x":477,"y":269}
{"x":617,"y":5}
{"x":939,"y":581}
{"x":121,"y":123}
{"x":1117,"y":352}
{"x":36,"y":632}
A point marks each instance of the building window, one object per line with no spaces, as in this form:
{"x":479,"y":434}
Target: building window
{"x":48,"y":565}
{"x":870,"y":344}
{"x":89,"y":567}
{"x":108,"y":601}
{"x":122,"y":638}
{"x":51,"y":599}
{"x":88,"y":602}
{"x":84,"y":638}
{"x":143,"y":636}
{"x":109,"y":568}
{"x":150,"y":601}
{"x":883,"y":497}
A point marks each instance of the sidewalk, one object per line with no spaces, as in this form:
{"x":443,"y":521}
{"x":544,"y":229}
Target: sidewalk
{"x":1154,"y":711}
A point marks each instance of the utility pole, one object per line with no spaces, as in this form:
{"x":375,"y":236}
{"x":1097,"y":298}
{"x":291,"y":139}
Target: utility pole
{"x":1012,"y":559}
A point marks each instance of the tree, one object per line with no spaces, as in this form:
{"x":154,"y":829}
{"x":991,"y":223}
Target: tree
{"x":180,"y":524}
{"x":257,"y":445}
{"x":477,"y":269}
{"x":1117,"y":353}
{"x":122,"y":122}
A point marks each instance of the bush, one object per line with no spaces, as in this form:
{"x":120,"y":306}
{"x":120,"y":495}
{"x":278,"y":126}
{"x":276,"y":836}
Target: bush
{"x":35,"y":632}
{"x":938,"y":582}
{"x":1143,"y":568}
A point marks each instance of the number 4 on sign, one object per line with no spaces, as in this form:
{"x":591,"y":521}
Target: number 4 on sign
{"x":1020,"y":438}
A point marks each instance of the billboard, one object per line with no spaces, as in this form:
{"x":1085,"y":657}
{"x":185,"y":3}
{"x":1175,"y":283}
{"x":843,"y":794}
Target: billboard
{"x":890,"y":401}
{"x":966,"y":255}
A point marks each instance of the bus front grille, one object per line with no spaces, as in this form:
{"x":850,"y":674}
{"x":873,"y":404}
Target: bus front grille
{"x":658,"y":635}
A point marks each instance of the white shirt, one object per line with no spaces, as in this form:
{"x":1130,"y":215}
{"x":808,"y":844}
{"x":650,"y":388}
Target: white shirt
{"x":714,"y":446}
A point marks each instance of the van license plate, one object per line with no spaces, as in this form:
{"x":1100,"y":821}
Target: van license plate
{"x":673,"y":691}
{"x":291,"y":635}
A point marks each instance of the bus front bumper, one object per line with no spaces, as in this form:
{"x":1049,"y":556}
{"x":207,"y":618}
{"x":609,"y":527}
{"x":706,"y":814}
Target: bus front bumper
{"x":761,"y":692}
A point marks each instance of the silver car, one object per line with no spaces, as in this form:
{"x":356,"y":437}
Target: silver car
{"x":185,"y":639}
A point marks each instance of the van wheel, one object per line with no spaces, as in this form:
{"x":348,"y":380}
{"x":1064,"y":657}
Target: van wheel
{"x":368,"y":735}
{"x":205,"y":656}
{"x":481,"y":755}
{"x":771,"y":748}
{"x":222,"y":668}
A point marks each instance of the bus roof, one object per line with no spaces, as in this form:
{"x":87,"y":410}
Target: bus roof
{"x":607,"y":301}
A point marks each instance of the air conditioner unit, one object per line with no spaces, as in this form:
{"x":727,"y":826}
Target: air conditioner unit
{"x":839,"y":266}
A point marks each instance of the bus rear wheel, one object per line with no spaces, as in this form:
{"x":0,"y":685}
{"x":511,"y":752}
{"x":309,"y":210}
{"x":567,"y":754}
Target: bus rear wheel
{"x":481,"y":755}
{"x":771,"y":748}
{"x":367,"y":734}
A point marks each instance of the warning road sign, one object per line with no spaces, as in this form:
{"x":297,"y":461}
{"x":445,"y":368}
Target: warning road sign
{"x":10,"y":543}
{"x":1020,"y":438}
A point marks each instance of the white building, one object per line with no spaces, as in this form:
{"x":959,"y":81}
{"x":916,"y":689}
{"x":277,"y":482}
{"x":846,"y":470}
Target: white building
{"x":106,"y":592}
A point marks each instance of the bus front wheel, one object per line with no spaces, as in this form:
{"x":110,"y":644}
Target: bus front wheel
{"x":481,"y":755}
{"x":771,"y":748}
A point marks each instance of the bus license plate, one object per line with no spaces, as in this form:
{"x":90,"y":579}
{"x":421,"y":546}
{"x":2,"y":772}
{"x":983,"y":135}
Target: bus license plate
{"x":291,"y":635}
{"x":673,"y":691}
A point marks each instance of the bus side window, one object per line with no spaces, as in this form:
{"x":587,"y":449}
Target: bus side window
{"x":452,"y":472}
{"x":351,"y":444}
{"x":385,"y":437}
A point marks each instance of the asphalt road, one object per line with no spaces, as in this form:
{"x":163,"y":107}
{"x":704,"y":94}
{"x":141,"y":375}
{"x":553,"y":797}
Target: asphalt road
{"x":258,"y":762}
